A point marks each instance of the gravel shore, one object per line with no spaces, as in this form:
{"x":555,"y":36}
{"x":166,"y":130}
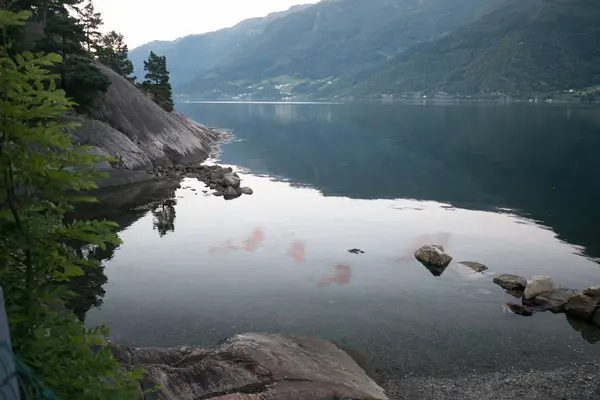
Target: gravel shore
{"x":575,"y":382}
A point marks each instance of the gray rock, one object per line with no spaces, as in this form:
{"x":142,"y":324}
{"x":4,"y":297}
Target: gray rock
{"x":538,"y":285}
{"x":228,"y":170}
{"x":230,"y":192}
{"x":218,"y":193}
{"x":215,"y":176}
{"x":247,"y":191}
{"x":252,"y":367}
{"x":584,"y":304}
{"x":239,"y":191}
{"x":125,"y":122}
{"x":230,"y":180}
{"x":554,"y":301}
{"x":475,"y":266}
{"x":213,"y":186}
{"x":510,"y":282}
{"x":433,"y":255}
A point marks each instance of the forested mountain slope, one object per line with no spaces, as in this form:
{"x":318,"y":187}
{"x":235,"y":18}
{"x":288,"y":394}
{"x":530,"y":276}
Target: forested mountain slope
{"x":524,"y":47}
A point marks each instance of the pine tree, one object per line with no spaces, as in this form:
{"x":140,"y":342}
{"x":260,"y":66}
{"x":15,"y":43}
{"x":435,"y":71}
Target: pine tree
{"x":157,"y":81}
{"x":91,"y":21}
{"x":113,"y":52}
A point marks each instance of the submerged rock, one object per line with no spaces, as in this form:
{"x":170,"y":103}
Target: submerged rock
{"x":584,"y":304}
{"x":475,"y":266}
{"x":252,"y":367}
{"x":433,"y":256}
{"x":538,"y":285}
{"x":519,"y":309}
{"x":510,"y":282}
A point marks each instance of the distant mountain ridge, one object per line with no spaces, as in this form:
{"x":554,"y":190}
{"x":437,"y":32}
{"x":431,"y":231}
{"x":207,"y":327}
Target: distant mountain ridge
{"x":394,"y":48}
{"x":191,"y":55}
{"x":526,"y":47}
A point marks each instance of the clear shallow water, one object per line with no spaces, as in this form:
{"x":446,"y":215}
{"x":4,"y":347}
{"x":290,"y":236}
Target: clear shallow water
{"x":511,"y":187}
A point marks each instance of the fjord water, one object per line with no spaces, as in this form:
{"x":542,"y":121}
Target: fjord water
{"x":514,"y":187}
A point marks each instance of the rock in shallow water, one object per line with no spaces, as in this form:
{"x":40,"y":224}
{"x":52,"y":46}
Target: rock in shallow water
{"x":555,"y":301}
{"x":475,"y":266}
{"x":252,"y":367}
{"x":519,"y":309}
{"x":584,"y":304}
{"x":433,"y":255}
{"x":538,"y":285}
{"x":231,"y":180}
{"x":511,"y":282}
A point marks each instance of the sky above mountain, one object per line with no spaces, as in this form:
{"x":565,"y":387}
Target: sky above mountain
{"x":142,"y":21}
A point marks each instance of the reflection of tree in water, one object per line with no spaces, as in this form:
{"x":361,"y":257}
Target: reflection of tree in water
{"x":88,"y":288}
{"x":164,"y":216}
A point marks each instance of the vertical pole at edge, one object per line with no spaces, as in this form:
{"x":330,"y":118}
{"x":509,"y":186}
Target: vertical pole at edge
{"x":9,"y":389}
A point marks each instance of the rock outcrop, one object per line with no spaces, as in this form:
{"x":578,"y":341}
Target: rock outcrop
{"x":253,"y":367}
{"x":128,"y":126}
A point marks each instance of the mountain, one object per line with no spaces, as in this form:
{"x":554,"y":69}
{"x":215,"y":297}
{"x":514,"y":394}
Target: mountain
{"x":525,"y":47}
{"x":303,"y":51}
{"x":191,"y":55}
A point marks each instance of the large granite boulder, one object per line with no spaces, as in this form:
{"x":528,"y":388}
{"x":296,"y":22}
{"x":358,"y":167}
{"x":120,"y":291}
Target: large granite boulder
{"x":252,"y":367}
{"x":127,"y":125}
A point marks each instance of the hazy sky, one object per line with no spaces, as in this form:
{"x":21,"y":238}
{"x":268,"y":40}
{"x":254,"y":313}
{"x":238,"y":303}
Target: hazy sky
{"x":142,"y":21}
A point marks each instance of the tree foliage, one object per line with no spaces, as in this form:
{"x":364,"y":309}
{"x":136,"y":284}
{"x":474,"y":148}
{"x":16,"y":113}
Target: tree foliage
{"x":62,"y":32}
{"x":113,"y":52}
{"x":41,"y":176}
{"x":156,"y":81}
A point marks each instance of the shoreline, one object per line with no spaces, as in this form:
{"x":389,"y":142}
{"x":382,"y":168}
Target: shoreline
{"x":576,"y":381}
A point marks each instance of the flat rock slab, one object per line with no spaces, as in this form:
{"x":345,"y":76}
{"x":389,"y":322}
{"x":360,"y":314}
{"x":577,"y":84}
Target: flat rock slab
{"x":475,"y":266}
{"x":252,"y":366}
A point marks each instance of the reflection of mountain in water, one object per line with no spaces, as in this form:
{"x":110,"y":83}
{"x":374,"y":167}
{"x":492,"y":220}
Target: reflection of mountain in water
{"x":118,"y":205}
{"x":539,"y":161}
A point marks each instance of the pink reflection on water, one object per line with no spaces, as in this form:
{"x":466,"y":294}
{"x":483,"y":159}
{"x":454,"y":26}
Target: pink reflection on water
{"x":254,"y":240}
{"x":223,"y":249}
{"x":407,"y":254}
{"x":342,"y":274}
{"x":251,"y":243}
{"x":297,"y":252}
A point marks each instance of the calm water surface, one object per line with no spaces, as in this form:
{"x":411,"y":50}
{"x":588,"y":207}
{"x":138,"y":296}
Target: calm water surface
{"x":513,"y":187}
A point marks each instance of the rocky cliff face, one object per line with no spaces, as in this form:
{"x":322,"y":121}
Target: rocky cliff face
{"x":127,"y":125}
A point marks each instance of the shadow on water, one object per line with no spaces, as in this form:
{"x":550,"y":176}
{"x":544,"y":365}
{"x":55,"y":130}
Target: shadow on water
{"x":539,"y":162}
{"x":124,"y":205}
